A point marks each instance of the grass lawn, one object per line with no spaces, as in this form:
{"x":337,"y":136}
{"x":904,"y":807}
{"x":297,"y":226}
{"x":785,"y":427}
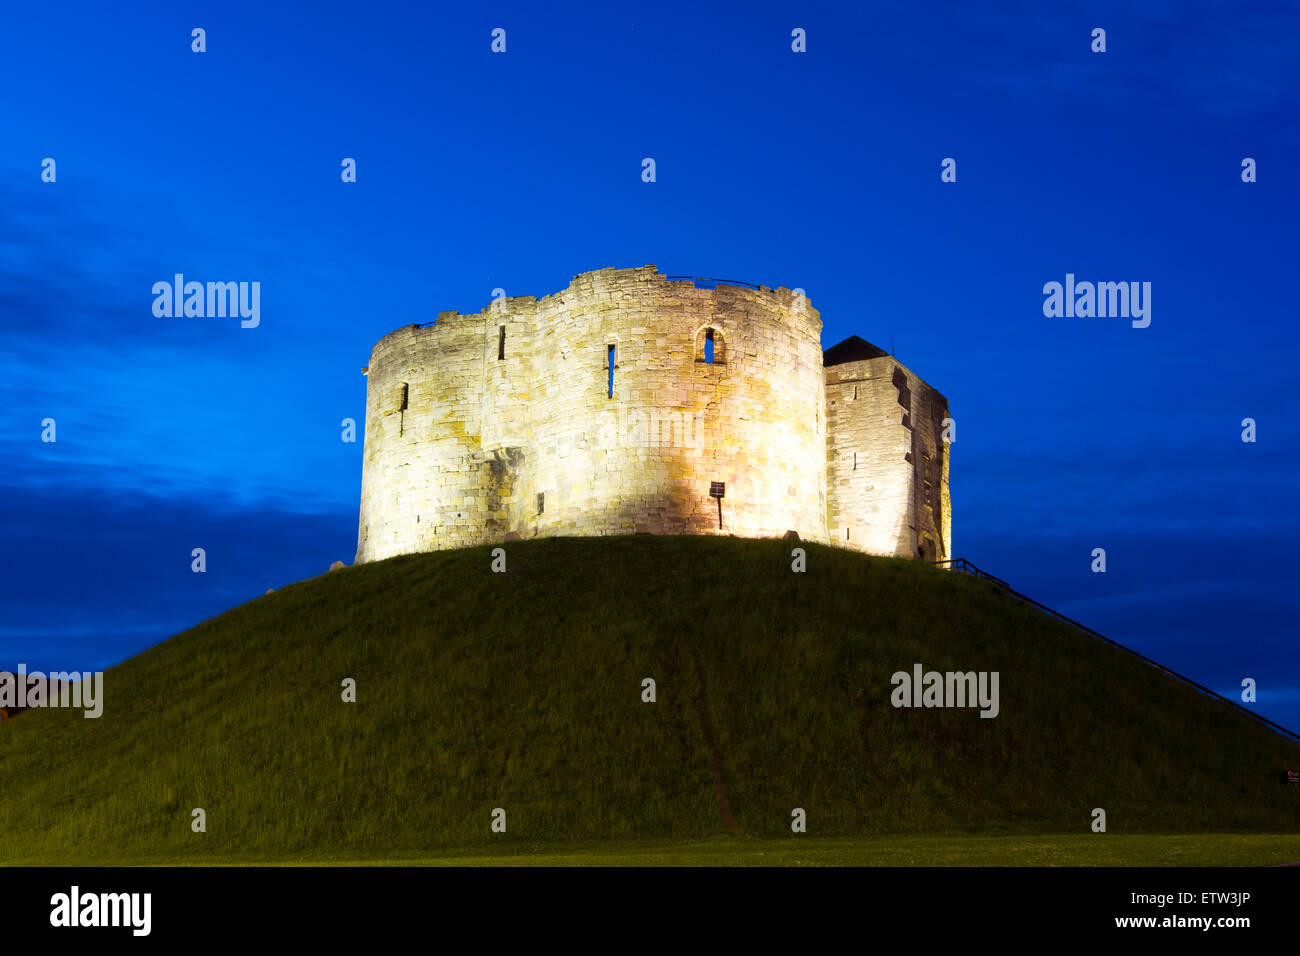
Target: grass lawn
{"x":525,"y":691}
{"x":1194,"y":849}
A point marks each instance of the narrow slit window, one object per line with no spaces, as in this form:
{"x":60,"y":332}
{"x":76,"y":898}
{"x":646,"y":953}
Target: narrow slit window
{"x":710,"y":347}
{"x":855,"y":461}
{"x":541,"y":502}
{"x":610,"y":358}
{"x":501,"y":343}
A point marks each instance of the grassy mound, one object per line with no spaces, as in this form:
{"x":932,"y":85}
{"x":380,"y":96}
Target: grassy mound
{"x":523,"y":691}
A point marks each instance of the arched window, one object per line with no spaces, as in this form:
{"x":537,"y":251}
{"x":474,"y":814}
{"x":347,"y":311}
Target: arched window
{"x":709,"y":346}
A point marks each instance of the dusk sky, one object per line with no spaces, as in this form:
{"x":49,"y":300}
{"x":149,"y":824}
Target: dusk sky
{"x":818,"y":170}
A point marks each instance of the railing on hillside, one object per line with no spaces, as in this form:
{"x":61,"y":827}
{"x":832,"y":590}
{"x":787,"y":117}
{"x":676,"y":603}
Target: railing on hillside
{"x":696,"y":279}
{"x":716,"y":282}
{"x":961,"y":564}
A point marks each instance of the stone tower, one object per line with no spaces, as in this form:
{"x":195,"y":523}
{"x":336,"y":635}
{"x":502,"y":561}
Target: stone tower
{"x":629,"y":402}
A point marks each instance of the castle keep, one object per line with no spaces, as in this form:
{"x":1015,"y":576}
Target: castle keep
{"x":630,"y":402}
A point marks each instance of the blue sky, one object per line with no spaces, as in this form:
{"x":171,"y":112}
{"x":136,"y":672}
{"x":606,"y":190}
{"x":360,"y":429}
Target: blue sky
{"x":817,"y":170}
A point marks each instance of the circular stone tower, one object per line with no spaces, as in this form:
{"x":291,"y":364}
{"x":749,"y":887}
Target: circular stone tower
{"x":624,"y":403}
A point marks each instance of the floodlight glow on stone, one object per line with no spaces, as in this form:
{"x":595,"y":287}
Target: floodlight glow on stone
{"x":620,"y":401}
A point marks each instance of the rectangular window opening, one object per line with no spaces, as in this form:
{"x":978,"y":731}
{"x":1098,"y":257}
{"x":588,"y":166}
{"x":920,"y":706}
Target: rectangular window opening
{"x":708,"y":346}
{"x":610,"y":358}
{"x":501,"y":343}
{"x":541,"y":502}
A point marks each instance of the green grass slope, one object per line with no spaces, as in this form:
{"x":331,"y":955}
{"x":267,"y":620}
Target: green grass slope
{"x":522,"y":690}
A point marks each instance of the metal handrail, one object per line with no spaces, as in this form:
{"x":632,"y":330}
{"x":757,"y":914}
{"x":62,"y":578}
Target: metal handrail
{"x":739,"y":282}
{"x":961,"y":564}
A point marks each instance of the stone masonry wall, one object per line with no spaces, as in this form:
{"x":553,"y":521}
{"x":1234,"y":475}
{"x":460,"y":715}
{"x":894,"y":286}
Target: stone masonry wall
{"x":886,"y":461}
{"x":464,"y":447}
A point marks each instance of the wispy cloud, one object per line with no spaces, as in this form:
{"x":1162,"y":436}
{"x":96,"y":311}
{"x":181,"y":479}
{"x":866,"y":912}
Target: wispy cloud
{"x":177,"y":405}
{"x":106,"y":574}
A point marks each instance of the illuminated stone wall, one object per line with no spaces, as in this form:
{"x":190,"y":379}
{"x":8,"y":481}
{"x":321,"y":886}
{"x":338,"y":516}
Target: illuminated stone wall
{"x":460,"y":443}
{"x":503,"y":423}
{"x":887,"y":460}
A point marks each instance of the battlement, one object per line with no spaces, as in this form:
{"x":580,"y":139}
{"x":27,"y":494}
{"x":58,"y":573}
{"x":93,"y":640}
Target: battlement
{"x":614,"y":405}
